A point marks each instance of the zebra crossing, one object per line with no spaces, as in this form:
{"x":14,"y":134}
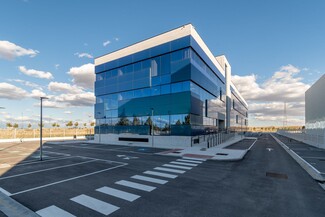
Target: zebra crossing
{"x":158,"y":175}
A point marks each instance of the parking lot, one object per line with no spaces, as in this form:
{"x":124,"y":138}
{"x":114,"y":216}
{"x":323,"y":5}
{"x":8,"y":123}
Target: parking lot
{"x":80,"y":179}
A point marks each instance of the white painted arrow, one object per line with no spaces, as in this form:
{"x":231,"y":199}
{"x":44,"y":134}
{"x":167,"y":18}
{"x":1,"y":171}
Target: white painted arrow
{"x":121,"y":155}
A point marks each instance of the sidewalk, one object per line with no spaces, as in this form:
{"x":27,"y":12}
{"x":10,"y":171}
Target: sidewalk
{"x":219,"y":152}
{"x":310,"y":158}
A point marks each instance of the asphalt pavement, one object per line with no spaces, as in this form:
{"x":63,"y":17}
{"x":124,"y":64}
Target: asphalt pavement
{"x":99,"y":180}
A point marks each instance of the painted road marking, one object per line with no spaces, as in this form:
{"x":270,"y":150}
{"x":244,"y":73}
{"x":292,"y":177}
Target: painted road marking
{"x":185,"y":164}
{"x":44,"y":161}
{"x":176,"y":166}
{"x":66,"y":180}
{"x":149,"y":179}
{"x":95,"y":204}
{"x":169,"y":170}
{"x":54,"y":211}
{"x":189,"y":161}
{"x":53,"y":168}
{"x":136,"y":185}
{"x":166,"y":175}
{"x":117,"y":193}
{"x":5,"y":192}
{"x":192,"y":158}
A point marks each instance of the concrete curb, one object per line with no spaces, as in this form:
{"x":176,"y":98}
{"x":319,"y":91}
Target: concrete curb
{"x":312,"y":171}
{"x":12,"y":208}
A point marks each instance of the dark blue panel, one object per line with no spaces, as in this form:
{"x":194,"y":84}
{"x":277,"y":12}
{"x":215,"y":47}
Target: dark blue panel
{"x":99,"y":68}
{"x":180,"y":43}
{"x":160,"y":49}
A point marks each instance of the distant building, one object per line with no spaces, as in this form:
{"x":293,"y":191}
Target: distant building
{"x":315,"y":105}
{"x":167,"y":88}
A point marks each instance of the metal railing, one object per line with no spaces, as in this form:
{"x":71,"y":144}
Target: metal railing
{"x":213,"y":139}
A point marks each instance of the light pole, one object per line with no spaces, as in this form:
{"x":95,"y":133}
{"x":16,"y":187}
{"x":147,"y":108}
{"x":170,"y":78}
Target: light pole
{"x":152,"y":129}
{"x":41,"y":128}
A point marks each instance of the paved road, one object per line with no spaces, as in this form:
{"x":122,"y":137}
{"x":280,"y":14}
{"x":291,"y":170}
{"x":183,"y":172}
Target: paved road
{"x":267,"y":182}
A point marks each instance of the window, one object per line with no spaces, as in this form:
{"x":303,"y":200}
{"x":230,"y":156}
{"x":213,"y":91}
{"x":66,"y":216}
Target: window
{"x":237,"y":119}
{"x":154,"y":68}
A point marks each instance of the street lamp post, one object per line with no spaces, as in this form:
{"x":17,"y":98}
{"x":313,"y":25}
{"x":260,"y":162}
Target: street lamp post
{"x":41,"y":128}
{"x":152,"y":129}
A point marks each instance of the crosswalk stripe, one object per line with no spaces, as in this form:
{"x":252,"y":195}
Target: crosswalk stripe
{"x":95,"y":204}
{"x":54,"y":211}
{"x":189,"y":161}
{"x":182,"y":163}
{"x":149,"y":179}
{"x":136,"y":185}
{"x":193,"y":158}
{"x":118,"y":193}
{"x":169,"y":170}
{"x":176,"y":166}
{"x":165,"y":175}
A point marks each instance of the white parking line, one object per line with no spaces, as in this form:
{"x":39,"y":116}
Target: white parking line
{"x":149,"y":179}
{"x":43,"y":170}
{"x":95,"y":204}
{"x":189,"y":161}
{"x":117,"y":193}
{"x":193,"y":158}
{"x":169,"y":170}
{"x":66,"y":180}
{"x":5,"y":192}
{"x":182,"y":163}
{"x":165,"y":175}
{"x":54,"y":211}
{"x":176,"y":166}
{"x":44,"y":161}
{"x":136,"y":185}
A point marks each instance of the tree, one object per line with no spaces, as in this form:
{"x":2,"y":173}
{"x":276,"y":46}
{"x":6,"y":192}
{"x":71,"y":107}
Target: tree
{"x":76,"y":124}
{"x":54,"y":125}
{"x":178,"y":122}
{"x":123,"y":121}
{"x":148,"y":121}
{"x":29,"y":125}
{"x":136,"y":121}
{"x":39,"y":125}
{"x":69,"y":124}
{"x":15,"y":125}
{"x":57,"y":125}
{"x":9,"y":125}
{"x":187,"y":119}
{"x":92,"y":124}
{"x":85,"y":124}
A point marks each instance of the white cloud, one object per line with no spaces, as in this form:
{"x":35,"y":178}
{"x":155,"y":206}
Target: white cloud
{"x":9,"y":51}
{"x":9,"y":91}
{"x":36,"y":94}
{"x":35,"y":73}
{"x":82,"y":99}
{"x":80,"y":55}
{"x":67,"y":112}
{"x":57,"y":66}
{"x":266,"y":100}
{"x":105,"y":43}
{"x":26,"y":83}
{"x":83,"y":76}
{"x":64,"y":87}
{"x":116,"y":39}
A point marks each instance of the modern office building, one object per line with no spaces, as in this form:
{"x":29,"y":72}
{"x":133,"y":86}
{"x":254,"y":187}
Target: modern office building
{"x":167,"y":88}
{"x":315,"y":105}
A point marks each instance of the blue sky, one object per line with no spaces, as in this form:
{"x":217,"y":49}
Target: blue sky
{"x":273,"y":46}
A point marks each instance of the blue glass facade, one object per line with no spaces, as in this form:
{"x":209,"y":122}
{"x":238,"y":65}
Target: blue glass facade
{"x":174,"y":86}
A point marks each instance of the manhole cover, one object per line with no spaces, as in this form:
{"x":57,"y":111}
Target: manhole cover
{"x":277,"y":175}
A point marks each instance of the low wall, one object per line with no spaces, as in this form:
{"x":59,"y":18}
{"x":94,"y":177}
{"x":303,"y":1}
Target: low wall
{"x":311,"y":137}
{"x":155,"y":141}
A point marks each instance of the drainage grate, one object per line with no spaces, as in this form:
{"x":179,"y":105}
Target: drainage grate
{"x":276,"y":175}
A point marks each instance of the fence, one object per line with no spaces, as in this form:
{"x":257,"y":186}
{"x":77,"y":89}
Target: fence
{"x":47,"y":132}
{"x":213,"y":139}
{"x":316,"y":139}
